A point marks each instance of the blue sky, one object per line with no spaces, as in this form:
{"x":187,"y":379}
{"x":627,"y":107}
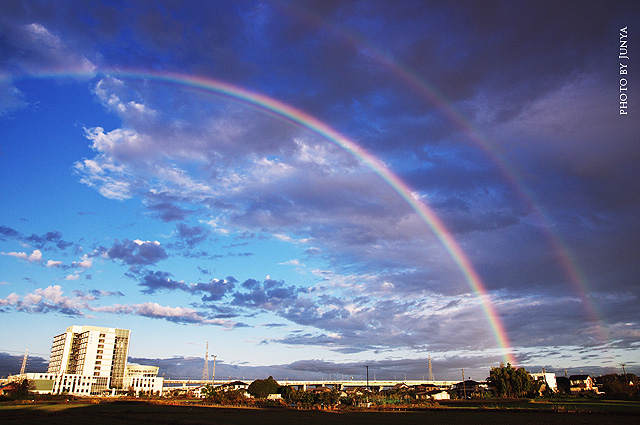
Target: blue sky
{"x":188,"y":216}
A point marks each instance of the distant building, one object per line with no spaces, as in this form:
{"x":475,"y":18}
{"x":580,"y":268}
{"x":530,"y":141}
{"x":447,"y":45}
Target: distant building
{"x":233,"y":386}
{"x":433,"y":395}
{"x":581,"y":384}
{"x":470,"y":388}
{"x":548,"y":379}
{"x":67,"y":383}
{"x":92,"y":360}
{"x":139,"y":378}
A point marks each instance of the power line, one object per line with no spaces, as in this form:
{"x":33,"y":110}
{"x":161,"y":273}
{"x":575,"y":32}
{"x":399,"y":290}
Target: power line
{"x":21,"y":352}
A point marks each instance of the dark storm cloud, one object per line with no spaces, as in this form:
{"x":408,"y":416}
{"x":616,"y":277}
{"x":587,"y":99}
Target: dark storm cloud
{"x":154,"y":281}
{"x":215,"y":289}
{"x":169,"y":212}
{"x":96,"y":294}
{"x":51,"y":238}
{"x":476,"y":367}
{"x":192,"y":235}
{"x":10,"y":364}
{"x":137,"y":252}
{"x":47,"y":307}
{"x":9,"y":232}
{"x":269,"y":294}
{"x":395,"y":369}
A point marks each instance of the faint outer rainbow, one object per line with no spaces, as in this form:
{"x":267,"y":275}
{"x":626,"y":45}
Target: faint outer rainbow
{"x":307,"y":121}
{"x":513,"y":176}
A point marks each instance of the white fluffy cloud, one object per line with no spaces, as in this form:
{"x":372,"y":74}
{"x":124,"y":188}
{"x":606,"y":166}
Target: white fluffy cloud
{"x":35,"y":256}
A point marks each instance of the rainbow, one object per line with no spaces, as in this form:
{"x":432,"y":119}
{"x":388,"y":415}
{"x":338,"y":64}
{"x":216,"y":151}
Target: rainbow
{"x":311,"y":123}
{"x":422,"y":88}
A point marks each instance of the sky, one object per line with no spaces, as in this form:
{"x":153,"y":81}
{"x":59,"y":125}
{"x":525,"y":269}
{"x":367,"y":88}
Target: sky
{"x":315,"y":187}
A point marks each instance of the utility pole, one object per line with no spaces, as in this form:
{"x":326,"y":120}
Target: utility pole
{"x":464,"y":386}
{"x":367,"y":377}
{"x":205,"y":371}
{"x":431,"y":377}
{"x":213,"y":378}
{"x":626,"y":380}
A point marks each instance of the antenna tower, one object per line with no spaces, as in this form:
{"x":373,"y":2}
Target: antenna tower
{"x":205,"y":371}
{"x":24,"y":362}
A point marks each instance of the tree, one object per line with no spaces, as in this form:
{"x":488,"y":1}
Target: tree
{"x":261,"y":388}
{"x":20,"y":389}
{"x":209,"y":391}
{"x":506,"y":381}
{"x":619,"y":386}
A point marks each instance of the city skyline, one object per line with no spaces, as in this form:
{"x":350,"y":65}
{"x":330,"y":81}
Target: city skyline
{"x":311,"y":185}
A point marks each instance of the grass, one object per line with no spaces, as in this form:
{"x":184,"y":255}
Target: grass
{"x":582,"y":405}
{"x":141,"y":413}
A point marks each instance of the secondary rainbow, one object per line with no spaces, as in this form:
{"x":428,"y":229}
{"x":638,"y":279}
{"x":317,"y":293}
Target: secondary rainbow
{"x":426,"y":90}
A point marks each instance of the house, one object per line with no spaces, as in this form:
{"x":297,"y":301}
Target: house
{"x":399,"y":386}
{"x":470,"y":387}
{"x":425,"y":387}
{"x":433,"y":395}
{"x":233,"y":386}
{"x":582,"y":384}
{"x":8,"y":388}
{"x":319,"y":390}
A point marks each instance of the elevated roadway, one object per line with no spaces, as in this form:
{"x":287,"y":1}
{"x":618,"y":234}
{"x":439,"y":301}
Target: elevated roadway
{"x":306,"y":384}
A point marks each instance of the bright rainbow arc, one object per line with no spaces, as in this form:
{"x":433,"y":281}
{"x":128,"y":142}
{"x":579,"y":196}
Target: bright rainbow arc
{"x":430,"y":93}
{"x":311,"y":123}
{"x":575,"y":277}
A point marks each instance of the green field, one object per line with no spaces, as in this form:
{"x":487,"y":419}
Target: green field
{"x":138,"y":412}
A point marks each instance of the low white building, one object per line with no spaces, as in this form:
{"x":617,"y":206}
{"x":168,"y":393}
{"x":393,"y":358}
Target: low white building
{"x":140,"y":378}
{"x":66,"y":383}
{"x":433,"y":395}
{"x":549,"y":380}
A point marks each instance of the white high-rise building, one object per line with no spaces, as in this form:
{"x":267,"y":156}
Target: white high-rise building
{"x":91,"y":351}
{"x":90,"y":361}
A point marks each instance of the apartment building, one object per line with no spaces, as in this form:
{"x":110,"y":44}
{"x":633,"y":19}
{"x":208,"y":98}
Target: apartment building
{"x":92,"y":360}
{"x":91,"y":351}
